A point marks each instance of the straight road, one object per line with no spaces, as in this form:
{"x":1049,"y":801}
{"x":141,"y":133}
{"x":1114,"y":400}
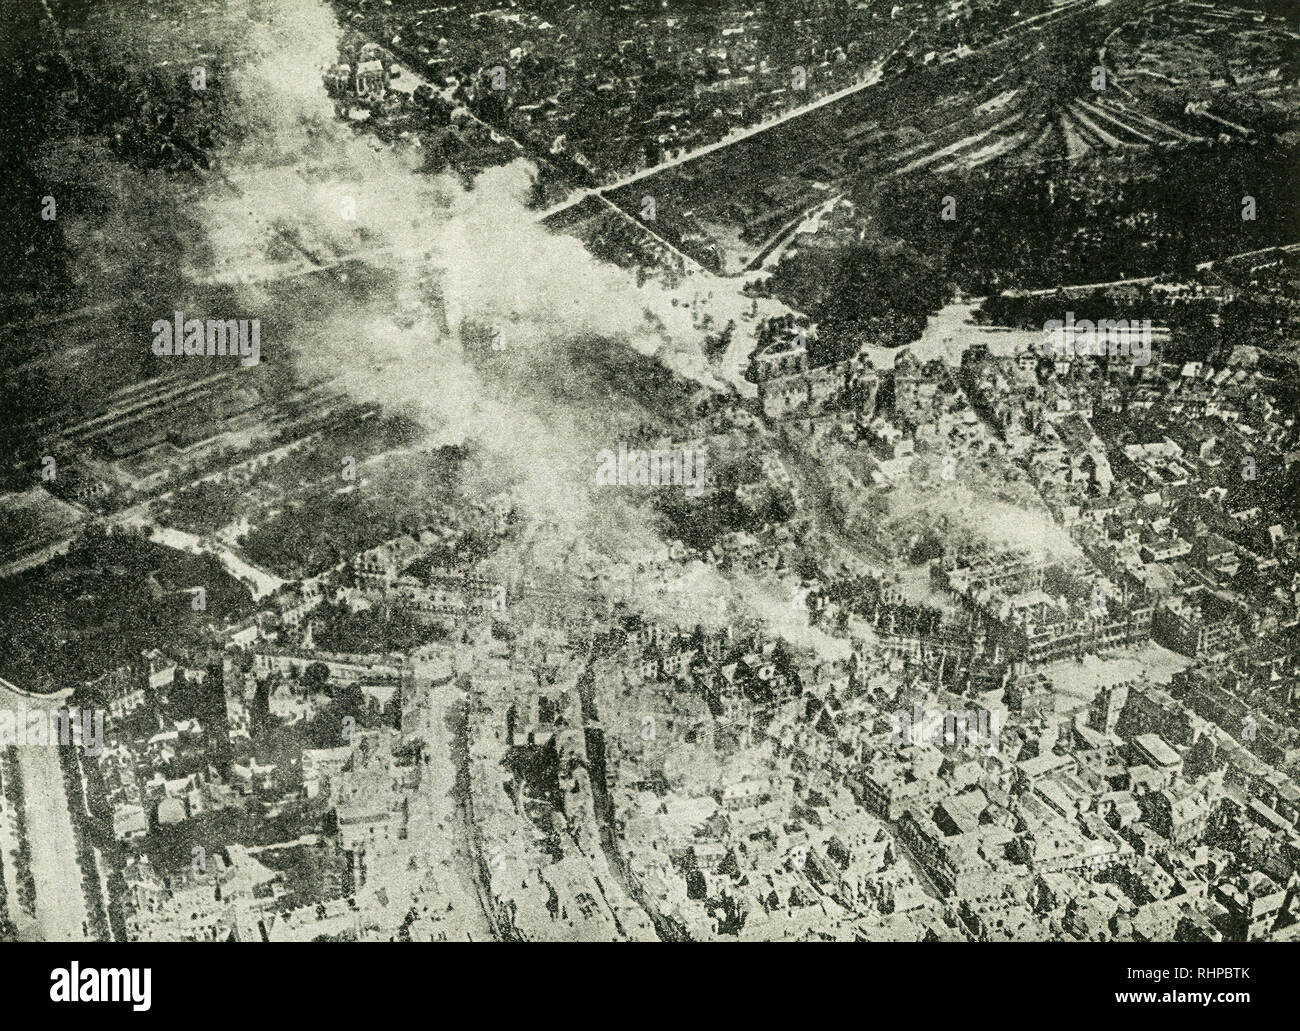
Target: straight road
{"x":61,"y":911}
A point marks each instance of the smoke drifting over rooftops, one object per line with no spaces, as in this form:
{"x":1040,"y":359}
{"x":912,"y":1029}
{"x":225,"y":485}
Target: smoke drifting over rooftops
{"x":459,"y":267}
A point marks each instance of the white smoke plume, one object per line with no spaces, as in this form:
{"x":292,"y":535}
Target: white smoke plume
{"x":980,"y":516}
{"x":576,"y":333}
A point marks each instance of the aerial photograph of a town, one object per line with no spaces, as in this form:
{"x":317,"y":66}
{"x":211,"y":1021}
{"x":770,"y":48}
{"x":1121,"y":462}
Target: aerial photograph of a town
{"x":649,"y":470}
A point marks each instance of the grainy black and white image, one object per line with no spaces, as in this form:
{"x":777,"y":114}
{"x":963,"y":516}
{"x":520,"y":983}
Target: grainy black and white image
{"x":656,"y":470}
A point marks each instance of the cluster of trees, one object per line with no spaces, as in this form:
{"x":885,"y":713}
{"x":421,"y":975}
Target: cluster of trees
{"x":319,"y":531}
{"x":205,"y":507}
{"x":114,"y":595}
{"x":8,"y":932}
{"x":700,"y":522}
{"x":1113,"y":218}
{"x":381,"y":628}
{"x":17,"y":526}
{"x":867,"y":291}
{"x":1017,"y":228}
{"x":15,"y":798}
{"x":322,"y":528}
{"x":346,"y":710}
{"x":202,"y":508}
{"x":1198,"y":331}
{"x":206,"y":702}
{"x":67,"y":121}
{"x":70,"y":763}
{"x":97,"y":814}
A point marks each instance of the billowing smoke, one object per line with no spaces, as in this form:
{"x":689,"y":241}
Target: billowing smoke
{"x":580,"y":363}
{"x":979,"y":516}
{"x":462,"y":266}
